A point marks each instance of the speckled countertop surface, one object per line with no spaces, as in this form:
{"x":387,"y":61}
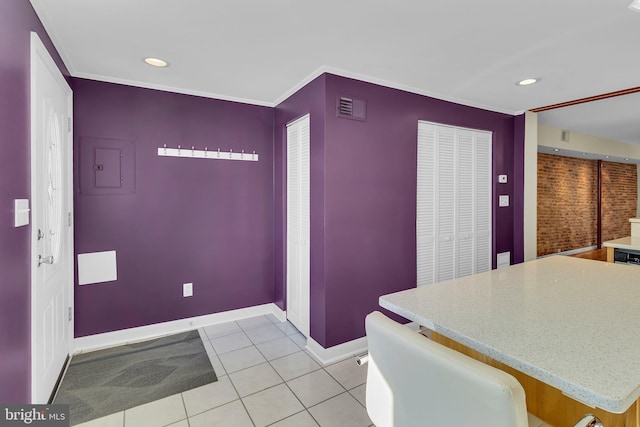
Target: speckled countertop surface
{"x":571,"y":323}
{"x":632,"y":243}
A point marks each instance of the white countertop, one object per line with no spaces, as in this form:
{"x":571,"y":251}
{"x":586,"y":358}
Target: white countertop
{"x":571,"y":323}
{"x":632,"y":243}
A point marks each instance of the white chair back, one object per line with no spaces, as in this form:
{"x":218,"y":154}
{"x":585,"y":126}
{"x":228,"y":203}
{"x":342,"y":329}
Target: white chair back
{"x":413,"y":381}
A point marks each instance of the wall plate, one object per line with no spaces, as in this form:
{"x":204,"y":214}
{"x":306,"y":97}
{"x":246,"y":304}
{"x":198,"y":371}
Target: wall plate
{"x":21,"y":209}
{"x":187,"y":290}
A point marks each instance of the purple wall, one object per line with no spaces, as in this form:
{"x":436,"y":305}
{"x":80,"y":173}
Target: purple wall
{"x":221,"y":224}
{"x":308,"y":100}
{"x":17,"y":20}
{"x":366,"y":237}
{"x":518,"y":189}
{"x":208,"y":222}
{"x":370,"y":196}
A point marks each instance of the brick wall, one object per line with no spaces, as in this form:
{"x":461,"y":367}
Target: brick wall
{"x":619,"y":199}
{"x":567,"y":202}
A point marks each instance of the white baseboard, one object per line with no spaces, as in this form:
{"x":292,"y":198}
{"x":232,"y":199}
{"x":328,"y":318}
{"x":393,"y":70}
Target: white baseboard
{"x":338,"y":352}
{"x":344,"y":351}
{"x":125,"y":336}
{"x":571,"y":252}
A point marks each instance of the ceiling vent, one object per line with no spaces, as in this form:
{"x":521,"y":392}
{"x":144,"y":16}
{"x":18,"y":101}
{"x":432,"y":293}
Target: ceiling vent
{"x":351,"y":108}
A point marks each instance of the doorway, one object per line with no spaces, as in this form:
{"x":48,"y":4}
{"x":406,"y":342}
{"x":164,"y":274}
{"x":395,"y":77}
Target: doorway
{"x":298,"y":224}
{"x":52,"y":227}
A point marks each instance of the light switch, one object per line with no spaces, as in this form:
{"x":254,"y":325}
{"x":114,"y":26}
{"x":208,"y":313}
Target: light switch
{"x":21,"y":209}
{"x":503,"y":200}
{"x":502,"y":179}
{"x":187,"y":289}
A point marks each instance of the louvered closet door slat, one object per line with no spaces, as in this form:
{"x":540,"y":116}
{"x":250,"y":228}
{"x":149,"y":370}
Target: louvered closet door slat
{"x":483,"y":201}
{"x":293,"y":212}
{"x":298,"y":223}
{"x":425,"y":200}
{"x":464,"y":203}
{"x":446,"y":203}
{"x":304,"y":200}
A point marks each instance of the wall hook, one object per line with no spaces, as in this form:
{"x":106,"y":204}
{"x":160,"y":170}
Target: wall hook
{"x":204,"y":154}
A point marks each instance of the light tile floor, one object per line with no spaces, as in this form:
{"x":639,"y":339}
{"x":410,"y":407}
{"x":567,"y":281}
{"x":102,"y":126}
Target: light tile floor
{"x":265,"y":378}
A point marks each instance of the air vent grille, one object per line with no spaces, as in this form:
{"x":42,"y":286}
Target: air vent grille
{"x":351,"y":108}
{"x":345,"y":106}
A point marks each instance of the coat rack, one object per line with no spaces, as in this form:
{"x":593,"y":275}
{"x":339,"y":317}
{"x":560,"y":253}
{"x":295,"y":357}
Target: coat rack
{"x":192,"y":153}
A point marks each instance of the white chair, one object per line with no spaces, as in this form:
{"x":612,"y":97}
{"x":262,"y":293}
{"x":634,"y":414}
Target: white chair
{"x":413,"y":381}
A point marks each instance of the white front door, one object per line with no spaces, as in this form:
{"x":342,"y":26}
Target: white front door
{"x":52,"y":231}
{"x":298,"y":224}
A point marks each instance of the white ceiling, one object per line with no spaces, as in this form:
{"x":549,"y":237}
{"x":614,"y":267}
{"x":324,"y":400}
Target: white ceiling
{"x":613,"y":118}
{"x":259,"y":52}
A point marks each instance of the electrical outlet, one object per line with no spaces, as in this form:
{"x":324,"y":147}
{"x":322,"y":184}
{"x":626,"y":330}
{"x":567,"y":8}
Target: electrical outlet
{"x":187,"y":290}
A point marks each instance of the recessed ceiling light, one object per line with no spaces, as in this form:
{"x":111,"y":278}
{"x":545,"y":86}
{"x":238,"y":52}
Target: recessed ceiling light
{"x":556,"y":149}
{"x":627,"y":159}
{"x":156,"y":62}
{"x":527,"y":82}
{"x":607,"y":157}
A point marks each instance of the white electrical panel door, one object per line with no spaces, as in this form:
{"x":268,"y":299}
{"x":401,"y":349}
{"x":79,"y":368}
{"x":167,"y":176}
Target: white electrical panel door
{"x":453,"y":209}
{"x":298,"y":224}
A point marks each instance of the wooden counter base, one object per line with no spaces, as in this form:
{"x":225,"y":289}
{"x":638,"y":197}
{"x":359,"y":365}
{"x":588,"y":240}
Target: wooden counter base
{"x":546,"y":402}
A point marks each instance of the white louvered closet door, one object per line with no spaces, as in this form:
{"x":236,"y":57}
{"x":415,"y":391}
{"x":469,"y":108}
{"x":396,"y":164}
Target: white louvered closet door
{"x":426,"y":199}
{"x":445,"y":205}
{"x":453,"y":221}
{"x":298,"y":224}
{"x":482,"y":171}
{"x":465,"y":203}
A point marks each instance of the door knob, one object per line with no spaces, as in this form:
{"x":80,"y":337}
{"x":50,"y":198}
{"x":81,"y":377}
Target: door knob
{"x":45,"y":260}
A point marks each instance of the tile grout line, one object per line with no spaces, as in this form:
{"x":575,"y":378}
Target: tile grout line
{"x":286,"y":385}
{"x":206,"y":337}
{"x":267,"y":388}
{"x":349,"y":391}
{"x":306,"y":408}
{"x":292,"y":392}
{"x":241,"y":398}
{"x":321,"y":365}
{"x":242,"y":403}
{"x":285,"y":382}
{"x":277,"y":373}
{"x":184,"y":405}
